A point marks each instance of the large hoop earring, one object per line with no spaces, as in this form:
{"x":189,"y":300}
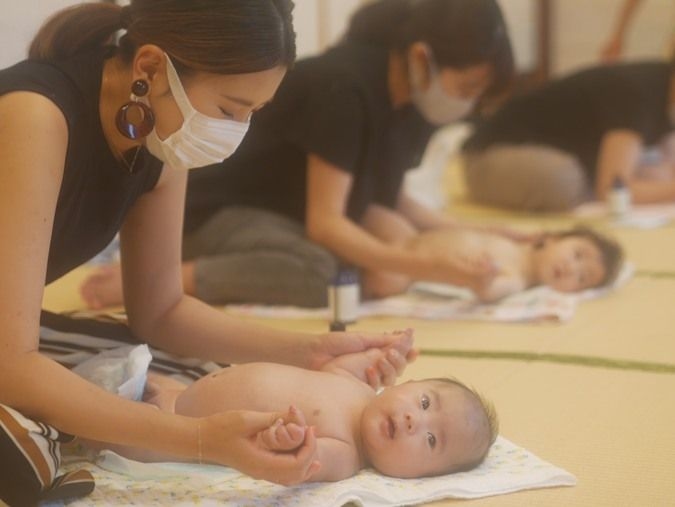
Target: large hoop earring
{"x":135,"y":119}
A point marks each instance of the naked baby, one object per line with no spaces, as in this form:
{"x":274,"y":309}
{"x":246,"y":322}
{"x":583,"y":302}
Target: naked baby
{"x":416,"y":429}
{"x":567,"y":261}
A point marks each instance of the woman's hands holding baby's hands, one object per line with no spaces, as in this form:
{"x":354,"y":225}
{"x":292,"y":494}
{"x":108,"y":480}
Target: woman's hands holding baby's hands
{"x":377,"y":359}
{"x":287,"y":433}
{"x":377,"y":367}
{"x":233,"y":439}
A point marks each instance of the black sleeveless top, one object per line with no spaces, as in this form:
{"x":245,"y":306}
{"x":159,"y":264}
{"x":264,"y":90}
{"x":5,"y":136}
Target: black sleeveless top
{"x":335,"y":105}
{"x":97,"y":190}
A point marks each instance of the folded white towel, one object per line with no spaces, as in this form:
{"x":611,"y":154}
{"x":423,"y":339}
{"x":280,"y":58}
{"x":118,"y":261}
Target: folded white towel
{"x":120,"y":482}
{"x":446,"y":302}
{"x":640,"y":216}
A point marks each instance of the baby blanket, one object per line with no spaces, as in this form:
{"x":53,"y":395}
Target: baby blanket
{"x":642,"y":216}
{"x":121,"y":482}
{"x":446,"y":302}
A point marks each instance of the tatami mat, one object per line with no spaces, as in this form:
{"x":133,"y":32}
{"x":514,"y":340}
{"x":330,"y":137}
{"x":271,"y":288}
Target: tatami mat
{"x":595,"y":396}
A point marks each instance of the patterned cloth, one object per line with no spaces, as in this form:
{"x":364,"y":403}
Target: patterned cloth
{"x":31,"y":456}
{"x":122,"y":482}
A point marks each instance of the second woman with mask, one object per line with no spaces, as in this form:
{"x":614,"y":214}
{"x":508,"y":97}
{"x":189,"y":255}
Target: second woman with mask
{"x":318,"y":178}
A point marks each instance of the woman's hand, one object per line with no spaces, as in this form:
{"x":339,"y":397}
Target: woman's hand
{"x":287,"y":433}
{"x":375,"y":367}
{"x":232,"y":439}
{"x":474,"y":271}
{"x":396,"y":352}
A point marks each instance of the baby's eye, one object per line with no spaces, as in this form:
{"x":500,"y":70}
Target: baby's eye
{"x":578,"y":254}
{"x":431,"y":440}
{"x":425,"y":402}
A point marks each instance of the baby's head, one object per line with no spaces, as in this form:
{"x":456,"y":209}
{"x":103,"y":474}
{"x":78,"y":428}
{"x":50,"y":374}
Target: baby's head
{"x":577,"y":259}
{"x":426,"y":428}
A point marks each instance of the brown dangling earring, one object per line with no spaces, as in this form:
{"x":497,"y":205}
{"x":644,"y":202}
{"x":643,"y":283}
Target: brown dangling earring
{"x":134,"y":119}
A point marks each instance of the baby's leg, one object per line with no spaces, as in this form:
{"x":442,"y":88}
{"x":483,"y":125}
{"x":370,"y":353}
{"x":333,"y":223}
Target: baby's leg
{"x":382,"y":284}
{"x":162,"y":391}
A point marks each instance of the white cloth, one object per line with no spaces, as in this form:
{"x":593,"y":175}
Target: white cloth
{"x":446,"y":302}
{"x":640,"y":216}
{"x":121,"y":482}
{"x":123,"y":370}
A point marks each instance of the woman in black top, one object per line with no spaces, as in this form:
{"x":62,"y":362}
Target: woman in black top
{"x":572,"y":139}
{"x":80,"y":159}
{"x":320,"y":173}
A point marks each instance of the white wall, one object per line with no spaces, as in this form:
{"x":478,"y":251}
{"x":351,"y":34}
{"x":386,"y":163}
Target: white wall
{"x":20,"y":21}
{"x":319,"y":23}
{"x":581,"y":27}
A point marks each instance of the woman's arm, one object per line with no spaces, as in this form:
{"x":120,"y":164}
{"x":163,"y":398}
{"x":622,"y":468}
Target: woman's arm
{"x":327,"y":224}
{"x":426,"y":218}
{"x":421,"y":216}
{"x":619,"y":157}
{"x":614,"y":46}
{"x":33,"y":140}
{"x":160,"y":313}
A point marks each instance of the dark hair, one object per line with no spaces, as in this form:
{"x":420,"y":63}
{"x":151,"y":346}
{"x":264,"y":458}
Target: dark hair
{"x":219,"y":36}
{"x":461,"y":33}
{"x":489,"y":430}
{"x":610,"y":250}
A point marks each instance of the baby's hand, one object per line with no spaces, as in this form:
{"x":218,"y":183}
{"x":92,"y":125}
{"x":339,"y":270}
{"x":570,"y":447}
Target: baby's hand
{"x":285,"y":434}
{"x":377,"y":367}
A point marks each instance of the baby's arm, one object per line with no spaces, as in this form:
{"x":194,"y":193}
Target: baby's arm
{"x":366,"y":366}
{"x":339,"y":460}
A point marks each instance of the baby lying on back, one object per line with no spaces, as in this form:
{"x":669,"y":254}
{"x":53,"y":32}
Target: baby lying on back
{"x":416,"y":429}
{"x":568,"y":261}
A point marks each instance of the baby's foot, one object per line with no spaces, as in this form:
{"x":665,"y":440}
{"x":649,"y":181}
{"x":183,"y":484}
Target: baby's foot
{"x":103,"y":288}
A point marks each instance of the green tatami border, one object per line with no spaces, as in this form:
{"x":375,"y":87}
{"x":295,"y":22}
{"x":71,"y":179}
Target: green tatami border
{"x":567,"y":359}
{"x":654,"y":274}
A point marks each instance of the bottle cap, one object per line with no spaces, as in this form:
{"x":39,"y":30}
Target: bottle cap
{"x":345,"y":276}
{"x":337,"y":326}
{"x":618,"y":182}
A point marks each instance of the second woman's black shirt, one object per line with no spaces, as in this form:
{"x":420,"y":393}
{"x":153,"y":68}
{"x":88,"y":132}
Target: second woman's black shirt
{"x":337,"y":106}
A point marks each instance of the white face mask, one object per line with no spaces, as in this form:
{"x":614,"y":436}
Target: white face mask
{"x":436,"y":106}
{"x":201,"y":140}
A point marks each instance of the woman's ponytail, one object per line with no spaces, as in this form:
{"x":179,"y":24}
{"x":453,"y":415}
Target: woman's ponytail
{"x":76,"y":29}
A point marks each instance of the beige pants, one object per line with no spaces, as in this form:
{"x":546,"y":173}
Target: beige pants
{"x":526,"y":177}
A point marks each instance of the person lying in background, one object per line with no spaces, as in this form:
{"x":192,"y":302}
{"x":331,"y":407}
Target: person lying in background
{"x":567,"y":261}
{"x":416,"y":429}
{"x":574,"y":138}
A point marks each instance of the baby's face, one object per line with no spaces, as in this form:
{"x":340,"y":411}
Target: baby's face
{"x":570,"y":264}
{"x":420,"y":429}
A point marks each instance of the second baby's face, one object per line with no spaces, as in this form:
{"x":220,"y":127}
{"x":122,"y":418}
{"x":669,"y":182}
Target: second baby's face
{"x":421,"y":429}
{"x":570,"y":264}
